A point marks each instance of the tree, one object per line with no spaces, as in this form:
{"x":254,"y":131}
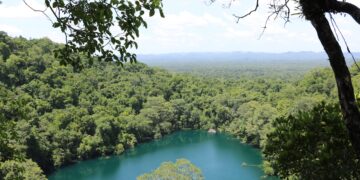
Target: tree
{"x":38,"y":124}
{"x":312,"y":145}
{"x":314,"y":11}
{"x":27,"y":170}
{"x":182,"y":169}
{"x":87,"y":28}
{"x":106,"y":29}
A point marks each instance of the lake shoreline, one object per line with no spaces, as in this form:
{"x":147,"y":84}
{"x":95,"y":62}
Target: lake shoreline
{"x":185,"y":138}
{"x":147,"y":141}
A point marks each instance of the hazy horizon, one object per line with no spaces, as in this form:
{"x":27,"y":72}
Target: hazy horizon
{"x":244,"y":52}
{"x":193,"y":25}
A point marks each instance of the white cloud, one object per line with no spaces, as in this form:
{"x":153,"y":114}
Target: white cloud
{"x":21,"y":10}
{"x":180,"y":31}
{"x":206,"y":31}
{"x":190,"y":25}
{"x":186,"y":19}
{"x":12,"y":30}
{"x":236,"y":33}
{"x":56,"y":37}
{"x":355,"y":2}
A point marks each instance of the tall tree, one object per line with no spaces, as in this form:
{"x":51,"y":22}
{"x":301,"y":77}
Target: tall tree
{"x":314,"y":11}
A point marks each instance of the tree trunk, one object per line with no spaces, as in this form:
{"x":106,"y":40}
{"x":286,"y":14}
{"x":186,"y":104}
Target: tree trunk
{"x":349,"y":108}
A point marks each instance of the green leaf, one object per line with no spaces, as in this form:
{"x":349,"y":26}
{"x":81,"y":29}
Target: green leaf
{"x":161,"y":13}
{"x":47,"y":3}
{"x":152,"y":12}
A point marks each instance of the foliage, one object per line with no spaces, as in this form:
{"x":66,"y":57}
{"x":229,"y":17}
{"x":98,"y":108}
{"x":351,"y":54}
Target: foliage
{"x":312,"y":145}
{"x":235,"y":67}
{"x":105,"y":28}
{"x":26,"y":170}
{"x":56,"y":116}
{"x":182,"y":169}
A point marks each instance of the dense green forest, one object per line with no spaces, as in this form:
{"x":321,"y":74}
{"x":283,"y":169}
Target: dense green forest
{"x":53,"y":115}
{"x":182,"y":169}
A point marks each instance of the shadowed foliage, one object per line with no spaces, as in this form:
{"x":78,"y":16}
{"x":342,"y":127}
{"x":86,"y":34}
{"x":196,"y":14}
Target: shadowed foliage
{"x":312,"y":145}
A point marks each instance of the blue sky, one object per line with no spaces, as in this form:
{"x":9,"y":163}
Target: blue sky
{"x":195,"y":26}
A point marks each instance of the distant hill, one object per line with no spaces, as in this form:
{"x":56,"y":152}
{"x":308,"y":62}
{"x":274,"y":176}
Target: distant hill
{"x":235,"y":56}
{"x":238,"y":64}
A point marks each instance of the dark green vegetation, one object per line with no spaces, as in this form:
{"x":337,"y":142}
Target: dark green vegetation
{"x":88,"y":27}
{"x":181,"y":169}
{"x":212,"y":153}
{"x":312,"y":145}
{"x":52,"y":115}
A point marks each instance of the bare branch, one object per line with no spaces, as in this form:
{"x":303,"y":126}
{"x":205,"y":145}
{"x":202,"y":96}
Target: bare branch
{"x":265,"y":26}
{"x":228,"y":5}
{"x":336,"y":27}
{"x":37,"y":10}
{"x":282,"y":10}
{"x":247,"y":14}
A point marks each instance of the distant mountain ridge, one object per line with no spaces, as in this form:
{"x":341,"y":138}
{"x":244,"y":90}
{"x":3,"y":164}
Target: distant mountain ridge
{"x":236,"y":56}
{"x":240,"y":64}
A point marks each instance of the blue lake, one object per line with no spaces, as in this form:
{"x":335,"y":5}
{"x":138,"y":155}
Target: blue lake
{"x":219,"y":156}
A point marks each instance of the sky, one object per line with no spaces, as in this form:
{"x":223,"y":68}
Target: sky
{"x":196,"y":26}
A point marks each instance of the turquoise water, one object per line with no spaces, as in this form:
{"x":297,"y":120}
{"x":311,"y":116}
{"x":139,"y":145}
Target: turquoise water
{"x":219,"y":156}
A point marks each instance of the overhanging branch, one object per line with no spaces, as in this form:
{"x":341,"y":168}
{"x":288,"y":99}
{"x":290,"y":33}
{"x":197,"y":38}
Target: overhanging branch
{"x":250,"y":12}
{"x":345,"y":7}
{"x":37,"y":10}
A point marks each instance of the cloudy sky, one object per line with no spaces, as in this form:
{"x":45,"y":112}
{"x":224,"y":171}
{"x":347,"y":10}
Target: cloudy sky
{"x":195,"y":26}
